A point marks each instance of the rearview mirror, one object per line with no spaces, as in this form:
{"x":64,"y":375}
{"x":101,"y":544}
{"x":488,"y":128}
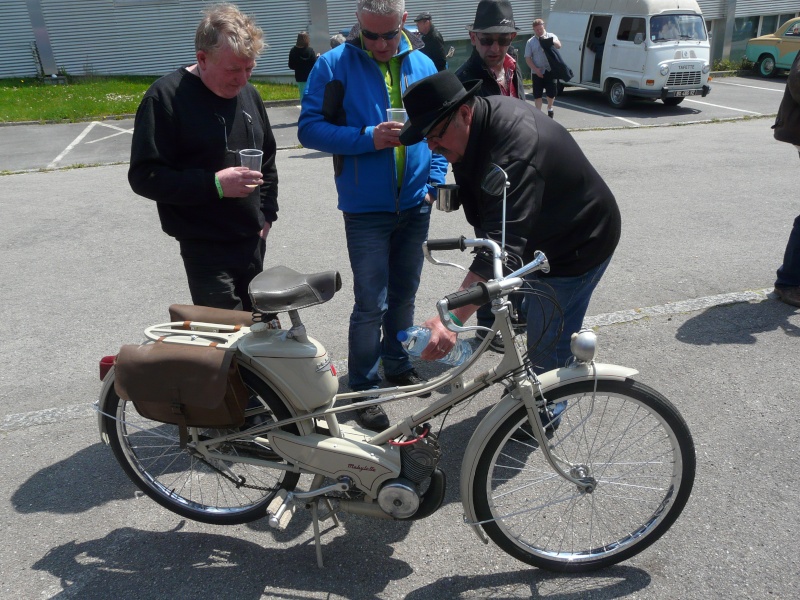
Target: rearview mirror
{"x":495,"y":181}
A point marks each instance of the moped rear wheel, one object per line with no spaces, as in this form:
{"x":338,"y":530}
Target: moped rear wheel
{"x":626,"y":438}
{"x":210,"y":491}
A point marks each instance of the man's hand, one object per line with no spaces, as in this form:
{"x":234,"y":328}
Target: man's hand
{"x":387,"y":135}
{"x":265,"y":230}
{"x":441,"y":342}
{"x":238,"y":182}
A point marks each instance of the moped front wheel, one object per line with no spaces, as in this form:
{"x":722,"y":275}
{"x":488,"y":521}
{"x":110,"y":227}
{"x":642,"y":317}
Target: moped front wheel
{"x":626,"y":439}
{"x":216,"y":491}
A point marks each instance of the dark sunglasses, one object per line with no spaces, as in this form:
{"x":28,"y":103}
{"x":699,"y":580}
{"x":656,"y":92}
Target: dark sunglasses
{"x":443,"y":130}
{"x":503,"y":40}
{"x":390,"y":35}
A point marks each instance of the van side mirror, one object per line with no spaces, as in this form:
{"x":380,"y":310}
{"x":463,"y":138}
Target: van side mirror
{"x":638,"y":38}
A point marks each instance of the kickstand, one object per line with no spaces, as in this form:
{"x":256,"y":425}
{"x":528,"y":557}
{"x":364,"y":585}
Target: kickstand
{"x":315,"y":519}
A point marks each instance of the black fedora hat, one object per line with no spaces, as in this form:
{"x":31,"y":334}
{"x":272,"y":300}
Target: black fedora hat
{"x":494,"y":16}
{"x":428,"y":101}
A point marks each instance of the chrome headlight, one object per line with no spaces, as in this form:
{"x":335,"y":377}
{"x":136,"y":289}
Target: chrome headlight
{"x":664,"y":70}
{"x":706,"y":68}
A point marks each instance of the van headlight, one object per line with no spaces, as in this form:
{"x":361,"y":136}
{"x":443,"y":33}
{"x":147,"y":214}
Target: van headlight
{"x":706,"y":68}
{"x":664,"y":70}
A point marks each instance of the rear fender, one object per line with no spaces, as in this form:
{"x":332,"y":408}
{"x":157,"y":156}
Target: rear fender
{"x":508,"y":404}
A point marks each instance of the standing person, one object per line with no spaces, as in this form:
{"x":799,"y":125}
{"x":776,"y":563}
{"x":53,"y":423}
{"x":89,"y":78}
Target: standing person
{"x":434,"y":44}
{"x":491,"y":35}
{"x":493,"y":63}
{"x":337,"y":40}
{"x":556,"y":203}
{"x":385,"y":189}
{"x":544,"y":82}
{"x":301,"y":60}
{"x":787,"y":129}
{"x":188,"y":131}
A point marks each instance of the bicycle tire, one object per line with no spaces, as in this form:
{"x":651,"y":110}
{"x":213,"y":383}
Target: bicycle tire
{"x":628,"y":437}
{"x":150,"y":454}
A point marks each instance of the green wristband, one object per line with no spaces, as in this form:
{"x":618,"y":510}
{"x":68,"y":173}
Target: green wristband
{"x":455,"y":319}
{"x":219,"y":186}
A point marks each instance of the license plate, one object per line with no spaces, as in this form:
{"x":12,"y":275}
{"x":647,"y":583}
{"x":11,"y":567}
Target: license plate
{"x":679,"y":93}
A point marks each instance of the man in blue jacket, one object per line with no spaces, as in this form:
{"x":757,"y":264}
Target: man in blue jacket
{"x":385,"y":189}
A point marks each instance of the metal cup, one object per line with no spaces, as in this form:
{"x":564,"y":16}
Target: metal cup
{"x":447,"y":197}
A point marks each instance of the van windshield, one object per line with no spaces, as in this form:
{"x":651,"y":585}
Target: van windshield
{"x":672,"y":28}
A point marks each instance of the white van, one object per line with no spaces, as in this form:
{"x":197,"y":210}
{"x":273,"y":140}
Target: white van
{"x":624,"y":48}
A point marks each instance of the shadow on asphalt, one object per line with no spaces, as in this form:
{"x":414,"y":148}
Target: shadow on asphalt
{"x":737,"y":323}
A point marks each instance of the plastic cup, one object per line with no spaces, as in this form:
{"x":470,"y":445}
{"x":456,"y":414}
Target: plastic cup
{"x":397,"y":115}
{"x":251,"y":159}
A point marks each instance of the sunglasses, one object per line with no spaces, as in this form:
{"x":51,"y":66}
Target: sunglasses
{"x":502,"y":40}
{"x":389,"y":35}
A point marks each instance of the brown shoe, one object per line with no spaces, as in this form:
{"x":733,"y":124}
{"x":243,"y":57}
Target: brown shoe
{"x":789,"y":295}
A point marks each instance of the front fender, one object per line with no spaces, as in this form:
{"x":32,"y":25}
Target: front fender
{"x":507,"y":405}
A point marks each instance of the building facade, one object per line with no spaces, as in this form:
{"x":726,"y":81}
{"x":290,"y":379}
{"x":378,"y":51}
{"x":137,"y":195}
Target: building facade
{"x":153,"y":37}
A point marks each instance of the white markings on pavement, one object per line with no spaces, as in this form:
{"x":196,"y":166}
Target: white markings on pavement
{"x":597,"y":112}
{"x":752,"y":87}
{"x":82,"y":135}
{"x":725,"y":107}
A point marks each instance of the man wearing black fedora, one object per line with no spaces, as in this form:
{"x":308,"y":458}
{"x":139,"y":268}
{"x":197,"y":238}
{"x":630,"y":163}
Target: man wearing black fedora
{"x":491,"y":35}
{"x":556,"y":203}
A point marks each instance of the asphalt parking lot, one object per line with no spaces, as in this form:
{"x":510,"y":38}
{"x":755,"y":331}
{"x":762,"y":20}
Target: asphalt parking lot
{"x":686,"y":301}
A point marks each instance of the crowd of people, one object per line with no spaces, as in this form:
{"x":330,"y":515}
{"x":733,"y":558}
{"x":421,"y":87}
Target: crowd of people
{"x":192,"y":123}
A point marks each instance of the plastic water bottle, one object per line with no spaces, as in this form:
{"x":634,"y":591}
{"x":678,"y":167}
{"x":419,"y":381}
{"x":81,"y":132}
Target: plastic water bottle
{"x":414,"y":340}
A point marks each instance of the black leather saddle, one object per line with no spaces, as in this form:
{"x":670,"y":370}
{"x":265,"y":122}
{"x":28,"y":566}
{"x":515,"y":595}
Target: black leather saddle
{"x":281,"y":289}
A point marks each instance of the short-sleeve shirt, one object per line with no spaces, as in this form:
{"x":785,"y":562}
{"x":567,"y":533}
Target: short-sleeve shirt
{"x":533,"y":50}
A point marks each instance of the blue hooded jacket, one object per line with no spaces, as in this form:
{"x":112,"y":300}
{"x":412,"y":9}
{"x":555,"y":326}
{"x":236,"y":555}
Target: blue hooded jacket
{"x":345,"y":98}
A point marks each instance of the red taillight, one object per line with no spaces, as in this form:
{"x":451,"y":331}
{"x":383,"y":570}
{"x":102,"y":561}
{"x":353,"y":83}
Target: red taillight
{"x":105,"y":365}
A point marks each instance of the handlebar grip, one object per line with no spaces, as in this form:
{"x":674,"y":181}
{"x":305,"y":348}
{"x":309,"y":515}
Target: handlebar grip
{"x":447,"y":244}
{"x":475,"y":294}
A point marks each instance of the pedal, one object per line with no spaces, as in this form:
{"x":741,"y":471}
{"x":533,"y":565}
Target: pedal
{"x":281,"y":510}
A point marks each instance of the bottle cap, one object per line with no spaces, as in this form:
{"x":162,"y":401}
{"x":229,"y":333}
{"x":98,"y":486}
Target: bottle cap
{"x":402,"y":336}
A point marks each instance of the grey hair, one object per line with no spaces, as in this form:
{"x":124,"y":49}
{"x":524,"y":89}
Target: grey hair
{"x":224,"y":23}
{"x":382,"y":7}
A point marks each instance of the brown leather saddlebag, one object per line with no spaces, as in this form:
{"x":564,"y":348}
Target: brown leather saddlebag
{"x":188,"y":386}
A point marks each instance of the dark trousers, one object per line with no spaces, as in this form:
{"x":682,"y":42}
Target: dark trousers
{"x":219,"y":273}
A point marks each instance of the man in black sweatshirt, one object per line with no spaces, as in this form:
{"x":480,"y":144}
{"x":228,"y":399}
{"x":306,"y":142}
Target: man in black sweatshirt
{"x":556,"y":202}
{"x":189,"y":129}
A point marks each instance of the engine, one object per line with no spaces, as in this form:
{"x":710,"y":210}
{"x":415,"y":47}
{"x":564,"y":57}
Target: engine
{"x":401,"y":497}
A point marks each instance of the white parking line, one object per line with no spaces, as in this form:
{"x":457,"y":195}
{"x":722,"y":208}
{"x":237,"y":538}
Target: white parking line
{"x":725,"y":107}
{"x":597,"y":112}
{"x":74,"y":143}
{"x":120,"y":131}
{"x":752,"y":87}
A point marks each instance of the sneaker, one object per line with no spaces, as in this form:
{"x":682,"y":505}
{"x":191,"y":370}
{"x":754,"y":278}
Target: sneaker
{"x":550,"y":113}
{"x":373,"y":418}
{"x":410,"y":377}
{"x":496,"y":344}
{"x":789,"y":295}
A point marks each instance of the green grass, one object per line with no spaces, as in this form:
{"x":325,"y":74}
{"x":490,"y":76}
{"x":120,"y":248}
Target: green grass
{"x":91,"y":98}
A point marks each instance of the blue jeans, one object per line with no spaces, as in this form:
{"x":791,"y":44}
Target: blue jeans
{"x":573,"y":295}
{"x":385,"y":252}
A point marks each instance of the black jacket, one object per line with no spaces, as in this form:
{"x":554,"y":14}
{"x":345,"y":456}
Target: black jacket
{"x":183,"y":134}
{"x":557,"y":202}
{"x":787,"y":123}
{"x":475,"y":69}
{"x":434,"y":48}
{"x":301,"y":61}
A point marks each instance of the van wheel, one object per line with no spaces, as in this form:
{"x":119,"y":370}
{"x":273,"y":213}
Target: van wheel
{"x":617,"y":94}
{"x":672,"y":101}
{"x":766,"y":65}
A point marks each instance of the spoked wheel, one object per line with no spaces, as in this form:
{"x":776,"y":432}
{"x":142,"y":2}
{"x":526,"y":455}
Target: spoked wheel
{"x":626,"y":438}
{"x":217,"y":491}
